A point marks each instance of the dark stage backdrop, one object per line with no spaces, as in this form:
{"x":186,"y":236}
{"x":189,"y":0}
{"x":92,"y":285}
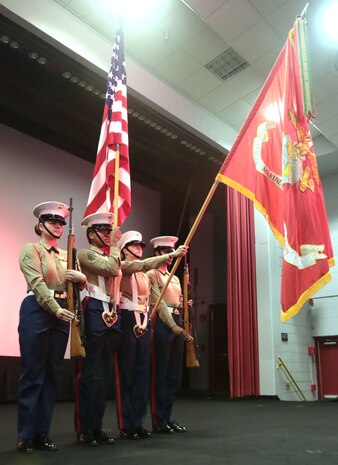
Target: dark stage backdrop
{"x":33,"y":172}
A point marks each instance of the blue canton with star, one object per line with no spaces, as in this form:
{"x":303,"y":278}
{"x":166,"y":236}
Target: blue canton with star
{"x":117,"y":70}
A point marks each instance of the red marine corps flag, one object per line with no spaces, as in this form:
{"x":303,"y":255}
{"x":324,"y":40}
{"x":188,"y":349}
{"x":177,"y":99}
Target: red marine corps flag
{"x":112,"y":149}
{"x":273,"y":163}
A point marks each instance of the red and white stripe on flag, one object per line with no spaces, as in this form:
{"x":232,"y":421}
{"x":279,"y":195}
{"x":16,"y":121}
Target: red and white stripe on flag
{"x":113,"y":137}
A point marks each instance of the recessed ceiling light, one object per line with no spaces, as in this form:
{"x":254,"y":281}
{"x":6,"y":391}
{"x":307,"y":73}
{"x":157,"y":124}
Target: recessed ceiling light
{"x":42,"y":60}
{"x":82,"y":83}
{"x":89,"y":88}
{"x":4,"y":39}
{"x":14,"y":44}
{"x":67,"y":74}
{"x":33,"y":55}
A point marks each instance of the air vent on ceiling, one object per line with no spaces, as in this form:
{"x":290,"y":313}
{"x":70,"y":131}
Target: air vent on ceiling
{"x":227,"y":64}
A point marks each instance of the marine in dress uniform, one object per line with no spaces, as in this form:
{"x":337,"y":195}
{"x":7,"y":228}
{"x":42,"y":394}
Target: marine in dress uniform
{"x":134,"y":352}
{"x":43,"y":327}
{"x":102,"y":266}
{"x":168,"y":341}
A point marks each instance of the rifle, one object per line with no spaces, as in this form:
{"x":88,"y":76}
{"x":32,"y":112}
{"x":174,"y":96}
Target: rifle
{"x":77,"y":334}
{"x":191,"y":347}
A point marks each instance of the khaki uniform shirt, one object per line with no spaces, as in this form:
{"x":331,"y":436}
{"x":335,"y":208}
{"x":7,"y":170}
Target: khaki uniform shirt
{"x":138,"y":268}
{"x":172,"y":296}
{"x":94,"y":263}
{"x":44,"y":268}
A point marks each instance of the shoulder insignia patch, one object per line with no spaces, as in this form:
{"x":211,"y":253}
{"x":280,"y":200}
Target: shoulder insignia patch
{"x":91,"y":256}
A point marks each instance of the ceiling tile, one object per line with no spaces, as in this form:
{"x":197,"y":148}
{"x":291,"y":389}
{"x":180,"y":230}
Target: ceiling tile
{"x":236,"y":112}
{"x":206,"y":46}
{"x":177,"y":66}
{"x":153,"y":49}
{"x":256,"y":41}
{"x":327,"y":109}
{"x":319,"y":92}
{"x":315,"y":132}
{"x":182,"y":25}
{"x":200,"y":83}
{"x":239,"y":125}
{"x":219,"y":99}
{"x":132,"y":36}
{"x":265,"y":7}
{"x":282,"y":19}
{"x":90,"y":11}
{"x":155,"y":16}
{"x":165,"y":8}
{"x":264,"y":64}
{"x":320,"y":63}
{"x":330,"y":127}
{"x":233,"y":18}
{"x":245,"y":82}
{"x":63,"y":2}
{"x":334,"y":140}
{"x":252,"y":97}
{"x":329,"y":82}
{"x":256,"y":29}
{"x":205,"y":8}
{"x":134,"y":29}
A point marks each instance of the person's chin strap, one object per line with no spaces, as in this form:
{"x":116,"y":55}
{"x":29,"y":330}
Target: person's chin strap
{"x":49,"y":232}
{"x":133,"y":254}
{"x":102,"y":242}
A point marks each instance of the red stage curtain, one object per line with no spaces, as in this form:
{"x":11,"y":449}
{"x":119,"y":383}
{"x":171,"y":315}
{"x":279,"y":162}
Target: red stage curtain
{"x":241,"y":296}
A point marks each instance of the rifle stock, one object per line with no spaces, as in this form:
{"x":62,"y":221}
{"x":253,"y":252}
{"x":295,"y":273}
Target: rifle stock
{"x":73,"y":298}
{"x":191,"y":357}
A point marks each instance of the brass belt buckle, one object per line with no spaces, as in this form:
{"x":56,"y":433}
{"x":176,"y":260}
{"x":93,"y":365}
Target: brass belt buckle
{"x":60,"y":295}
{"x":139,"y":331}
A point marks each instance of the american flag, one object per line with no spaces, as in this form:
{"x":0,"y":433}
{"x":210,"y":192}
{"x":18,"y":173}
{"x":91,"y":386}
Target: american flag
{"x":114,"y":130}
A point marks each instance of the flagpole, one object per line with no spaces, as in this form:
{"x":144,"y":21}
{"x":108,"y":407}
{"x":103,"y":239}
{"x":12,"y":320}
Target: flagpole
{"x":112,"y":285}
{"x":116,"y":185}
{"x":303,"y":56}
{"x":303,"y":13}
{"x":187,"y":241}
